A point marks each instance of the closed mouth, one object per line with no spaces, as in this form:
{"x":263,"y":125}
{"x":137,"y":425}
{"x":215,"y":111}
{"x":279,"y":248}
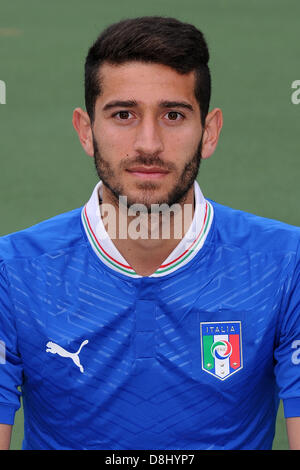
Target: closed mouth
{"x":146,"y":169}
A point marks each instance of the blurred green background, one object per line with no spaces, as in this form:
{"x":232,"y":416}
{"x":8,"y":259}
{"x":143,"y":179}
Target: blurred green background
{"x":254,"y":48}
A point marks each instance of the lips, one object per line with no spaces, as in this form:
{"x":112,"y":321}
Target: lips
{"x":148,"y":172}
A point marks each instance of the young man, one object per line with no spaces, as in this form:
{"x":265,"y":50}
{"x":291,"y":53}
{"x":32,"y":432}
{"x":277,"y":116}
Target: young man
{"x":120,"y":337}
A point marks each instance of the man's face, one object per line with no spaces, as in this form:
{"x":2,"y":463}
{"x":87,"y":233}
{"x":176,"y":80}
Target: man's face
{"x":147,"y":133}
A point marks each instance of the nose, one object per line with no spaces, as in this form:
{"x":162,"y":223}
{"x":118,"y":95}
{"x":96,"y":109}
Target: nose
{"x":148,"y":138}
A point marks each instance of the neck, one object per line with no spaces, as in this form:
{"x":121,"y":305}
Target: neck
{"x":146,"y":240}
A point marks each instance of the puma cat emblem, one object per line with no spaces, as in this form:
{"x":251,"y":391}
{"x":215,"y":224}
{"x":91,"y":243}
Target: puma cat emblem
{"x":56,"y":349}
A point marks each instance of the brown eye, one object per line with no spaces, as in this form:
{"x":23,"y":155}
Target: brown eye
{"x":123,"y":114}
{"x":173,"y":115}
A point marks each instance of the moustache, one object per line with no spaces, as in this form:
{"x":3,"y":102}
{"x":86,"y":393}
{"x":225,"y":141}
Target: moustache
{"x":146,"y":160}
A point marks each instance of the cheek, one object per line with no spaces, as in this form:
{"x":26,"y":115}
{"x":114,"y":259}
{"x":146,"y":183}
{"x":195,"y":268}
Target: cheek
{"x":113,"y":145}
{"x":182,"y":146}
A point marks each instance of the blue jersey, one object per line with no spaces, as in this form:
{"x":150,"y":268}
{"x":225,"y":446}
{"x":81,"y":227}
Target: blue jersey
{"x":194,"y":356}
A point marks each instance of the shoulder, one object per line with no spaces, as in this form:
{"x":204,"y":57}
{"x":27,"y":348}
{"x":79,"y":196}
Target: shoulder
{"x":253,"y":233}
{"x":48,"y":236}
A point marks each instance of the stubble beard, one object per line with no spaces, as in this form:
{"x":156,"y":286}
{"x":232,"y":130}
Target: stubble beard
{"x":176,"y":195}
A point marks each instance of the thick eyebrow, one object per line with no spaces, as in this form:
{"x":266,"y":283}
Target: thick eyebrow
{"x":176,"y":104}
{"x":133,"y":103}
{"x":120,"y":104}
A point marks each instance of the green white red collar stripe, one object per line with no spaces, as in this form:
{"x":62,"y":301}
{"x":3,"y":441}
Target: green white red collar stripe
{"x":186,"y":249}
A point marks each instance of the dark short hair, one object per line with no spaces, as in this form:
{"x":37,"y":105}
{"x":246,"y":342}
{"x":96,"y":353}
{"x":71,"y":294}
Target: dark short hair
{"x":152,"y":39}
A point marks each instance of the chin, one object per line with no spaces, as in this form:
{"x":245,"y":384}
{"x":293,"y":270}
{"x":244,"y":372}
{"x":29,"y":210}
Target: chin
{"x":149,"y":198}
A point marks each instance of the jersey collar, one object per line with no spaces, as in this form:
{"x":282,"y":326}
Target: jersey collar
{"x":184,"y":252}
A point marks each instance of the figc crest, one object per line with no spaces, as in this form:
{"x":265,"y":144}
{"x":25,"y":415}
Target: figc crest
{"x":221,"y":348}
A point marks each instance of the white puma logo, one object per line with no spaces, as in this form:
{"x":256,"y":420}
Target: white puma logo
{"x":56,"y":349}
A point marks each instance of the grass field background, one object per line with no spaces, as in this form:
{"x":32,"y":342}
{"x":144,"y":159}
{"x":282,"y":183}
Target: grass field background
{"x":254,"y":49}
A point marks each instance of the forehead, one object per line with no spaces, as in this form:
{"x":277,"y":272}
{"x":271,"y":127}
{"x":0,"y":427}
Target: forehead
{"x":145,"y":83}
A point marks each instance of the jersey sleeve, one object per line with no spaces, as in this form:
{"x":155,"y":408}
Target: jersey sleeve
{"x":10,"y":361}
{"x":287,"y":352}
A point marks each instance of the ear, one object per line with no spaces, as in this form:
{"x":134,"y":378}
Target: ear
{"x":212,"y":129}
{"x":83,"y":127}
